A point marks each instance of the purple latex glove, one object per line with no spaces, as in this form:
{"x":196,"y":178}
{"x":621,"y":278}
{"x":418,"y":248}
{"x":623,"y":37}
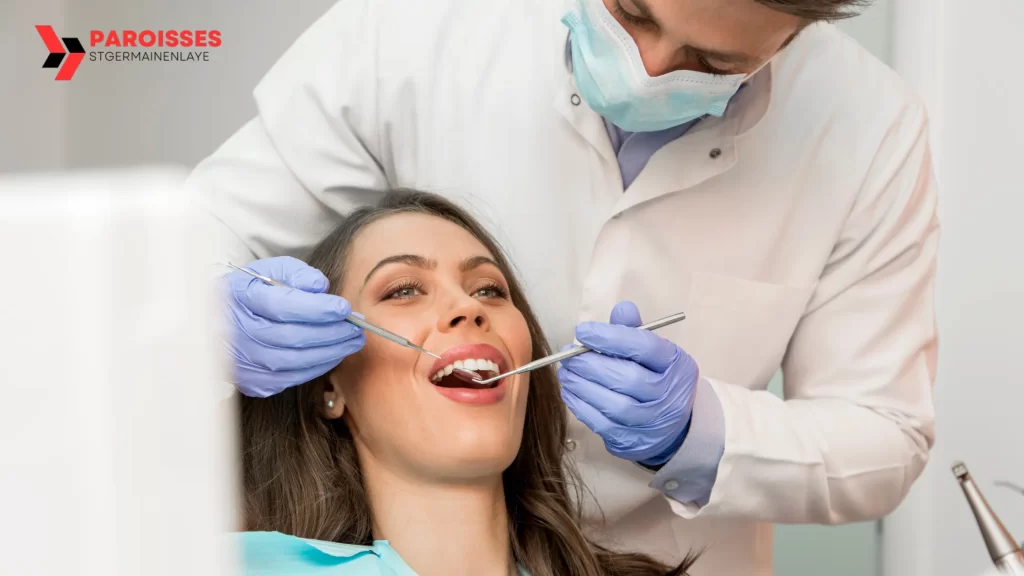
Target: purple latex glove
{"x":637,"y":394}
{"x":282,"y":337}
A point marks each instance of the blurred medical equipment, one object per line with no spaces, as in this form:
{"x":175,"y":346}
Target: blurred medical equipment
{"x":117,"y":449}
{"x":566,"y":354}
{"x":1004,"y":551}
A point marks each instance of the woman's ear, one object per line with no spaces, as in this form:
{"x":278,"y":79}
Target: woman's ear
{"x":331,"y":402}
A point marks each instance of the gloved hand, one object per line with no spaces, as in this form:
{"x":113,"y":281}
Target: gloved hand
{"x":282,"y":337}
{"x":637,"y":394}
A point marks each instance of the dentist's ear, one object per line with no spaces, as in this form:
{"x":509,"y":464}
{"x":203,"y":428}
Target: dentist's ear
{"x":332,"y":402}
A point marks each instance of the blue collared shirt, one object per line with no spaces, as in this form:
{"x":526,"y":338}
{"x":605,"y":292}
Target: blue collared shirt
{"x":634,"y":149}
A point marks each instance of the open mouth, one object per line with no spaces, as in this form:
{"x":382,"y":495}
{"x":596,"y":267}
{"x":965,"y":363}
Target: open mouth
{"x":459,"y":363}
{"x":482,"y":367}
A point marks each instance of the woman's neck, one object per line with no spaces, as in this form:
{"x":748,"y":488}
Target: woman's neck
{"x":441,"y":528}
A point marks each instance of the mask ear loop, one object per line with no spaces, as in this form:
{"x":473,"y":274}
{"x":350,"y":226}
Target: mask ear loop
{"x":762,"y":66}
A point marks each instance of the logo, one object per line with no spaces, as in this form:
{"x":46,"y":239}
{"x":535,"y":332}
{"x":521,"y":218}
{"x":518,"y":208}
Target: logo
{"x":158,"y":47}
{"x":58,"y":52}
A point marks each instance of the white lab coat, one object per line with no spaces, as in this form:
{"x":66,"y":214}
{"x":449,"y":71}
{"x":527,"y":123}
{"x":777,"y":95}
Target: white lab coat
{"x":799,"y":230}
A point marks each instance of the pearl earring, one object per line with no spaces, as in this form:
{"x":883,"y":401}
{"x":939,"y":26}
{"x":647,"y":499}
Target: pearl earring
{"x":330,"y":404}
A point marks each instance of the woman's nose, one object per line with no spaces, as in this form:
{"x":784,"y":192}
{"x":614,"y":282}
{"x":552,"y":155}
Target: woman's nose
{"x":477,"y":320}
{"x":464,"y":312}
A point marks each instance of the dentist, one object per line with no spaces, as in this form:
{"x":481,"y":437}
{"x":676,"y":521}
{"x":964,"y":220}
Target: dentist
{"x":740,"y":160}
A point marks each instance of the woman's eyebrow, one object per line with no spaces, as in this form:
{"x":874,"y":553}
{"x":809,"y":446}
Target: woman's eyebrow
{"x":477,"y":261}
{"x":408,"y":259}
{"x":421,"y":262}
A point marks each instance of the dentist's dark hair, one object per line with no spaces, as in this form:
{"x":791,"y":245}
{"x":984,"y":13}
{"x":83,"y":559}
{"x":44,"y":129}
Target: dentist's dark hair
{"x":818,"y":10}
{"x":301,"y":473}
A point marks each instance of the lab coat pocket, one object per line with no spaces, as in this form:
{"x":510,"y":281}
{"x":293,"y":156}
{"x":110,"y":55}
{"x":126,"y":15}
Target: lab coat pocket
{"x":739,"y":329}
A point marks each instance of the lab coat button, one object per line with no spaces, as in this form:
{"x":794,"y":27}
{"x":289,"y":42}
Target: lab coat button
{"x":671,"y":485}
{"x":570,"y":445}
{"x":575,"y":99}
{"x":715,"y":153}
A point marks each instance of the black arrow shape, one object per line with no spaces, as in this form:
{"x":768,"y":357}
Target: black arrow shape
{"x":54,"y":60}
{"x":74,"y":46}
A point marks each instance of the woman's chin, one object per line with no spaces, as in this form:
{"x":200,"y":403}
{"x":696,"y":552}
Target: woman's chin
{"x":468,"y":456}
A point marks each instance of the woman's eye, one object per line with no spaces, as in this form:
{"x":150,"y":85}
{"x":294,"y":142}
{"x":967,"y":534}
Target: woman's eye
{"x":403,"y":292}
{"x":491,"y":292}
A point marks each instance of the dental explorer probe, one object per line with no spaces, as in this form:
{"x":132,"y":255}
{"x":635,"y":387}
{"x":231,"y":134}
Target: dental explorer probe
{"x":352,"y":319}
{"x":558,"y":357}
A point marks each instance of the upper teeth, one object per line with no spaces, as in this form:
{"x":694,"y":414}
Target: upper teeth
{"x":475,"y":365}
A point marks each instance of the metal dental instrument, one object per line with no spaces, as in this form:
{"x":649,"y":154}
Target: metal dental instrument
{"x":576,"y":351}
{"x":1006,"y":555}
{"x":361,"y":323}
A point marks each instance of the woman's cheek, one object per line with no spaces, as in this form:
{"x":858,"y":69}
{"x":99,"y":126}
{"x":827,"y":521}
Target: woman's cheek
{"x":525,"y":343}
{"x":357,"y":369}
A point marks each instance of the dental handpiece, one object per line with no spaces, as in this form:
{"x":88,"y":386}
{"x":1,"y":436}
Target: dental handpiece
{"x":1006,"y":555}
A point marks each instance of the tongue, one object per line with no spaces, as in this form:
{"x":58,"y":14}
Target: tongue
{"x":469,"y":376}
{"x":453,"y":381}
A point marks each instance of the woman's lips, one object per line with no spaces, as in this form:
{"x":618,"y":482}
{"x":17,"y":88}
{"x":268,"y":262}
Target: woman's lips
{"x":467,"y":395}
{"x":474,"y":395}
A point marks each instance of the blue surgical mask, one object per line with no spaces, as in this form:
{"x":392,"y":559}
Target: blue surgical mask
{"x":611,"y":77}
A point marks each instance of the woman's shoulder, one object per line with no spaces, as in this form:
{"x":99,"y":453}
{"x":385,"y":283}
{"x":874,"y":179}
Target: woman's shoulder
{"x":274,"y":553}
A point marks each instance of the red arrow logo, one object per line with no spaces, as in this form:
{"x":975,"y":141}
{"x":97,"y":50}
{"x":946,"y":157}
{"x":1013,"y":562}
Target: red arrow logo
{"x":75,"y":52}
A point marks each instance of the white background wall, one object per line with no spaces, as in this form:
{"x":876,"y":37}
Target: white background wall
{"x":964,"y":58}
{"x":33,"y":110}
{"x":117,"y":114}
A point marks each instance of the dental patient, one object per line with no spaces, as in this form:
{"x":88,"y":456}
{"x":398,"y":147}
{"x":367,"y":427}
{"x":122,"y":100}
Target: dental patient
{"x":389,"y":464}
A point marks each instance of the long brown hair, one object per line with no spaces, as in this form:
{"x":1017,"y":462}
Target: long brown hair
{"x":301,"y":473}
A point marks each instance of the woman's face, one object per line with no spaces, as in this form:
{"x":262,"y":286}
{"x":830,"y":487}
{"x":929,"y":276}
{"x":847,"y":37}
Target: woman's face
{"x":432,"y":282}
